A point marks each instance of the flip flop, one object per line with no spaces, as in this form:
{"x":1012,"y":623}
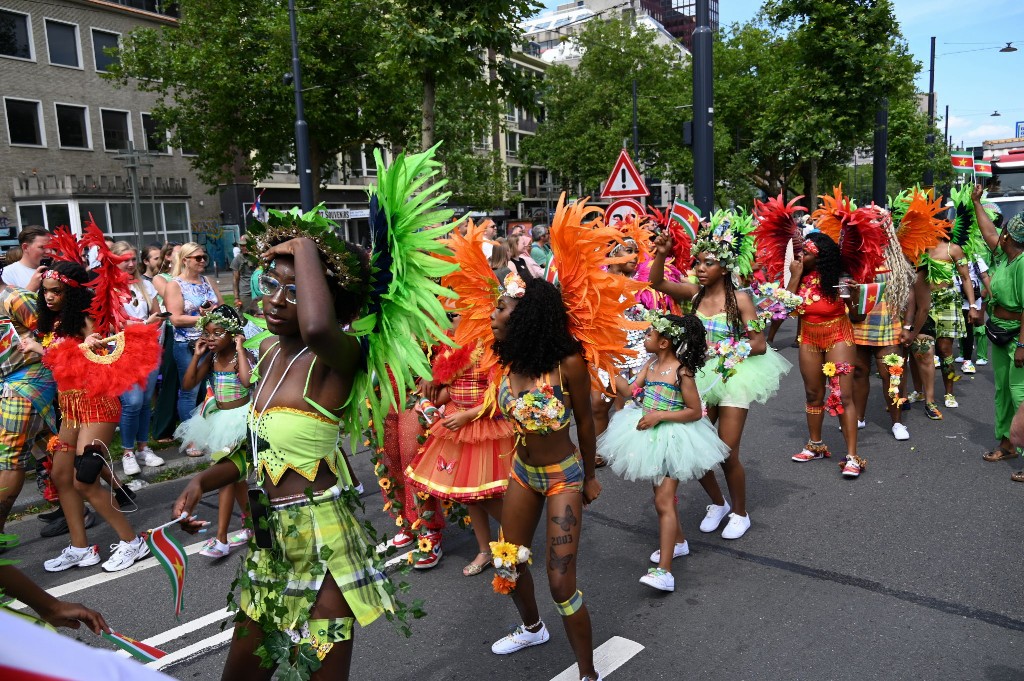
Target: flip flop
{"x":1017,"y":476}
{"x":999,"y":454}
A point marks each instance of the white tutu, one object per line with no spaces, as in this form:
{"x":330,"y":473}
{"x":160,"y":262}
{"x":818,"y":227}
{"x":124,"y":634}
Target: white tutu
{"x":681,"y":451}
{"x":218,"y":430}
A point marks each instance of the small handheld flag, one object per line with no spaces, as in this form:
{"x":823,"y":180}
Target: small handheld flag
{"x":963,"y":161}
{"x":687,"y":215}
{"x":983,"y":168}
{"x":870,"y":295}
{"x":257,"y":207}
{"x":140,"y":651}
{"x":172,"y":557}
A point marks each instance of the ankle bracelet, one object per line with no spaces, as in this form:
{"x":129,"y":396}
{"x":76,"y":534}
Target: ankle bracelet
{"x":535,"y":624}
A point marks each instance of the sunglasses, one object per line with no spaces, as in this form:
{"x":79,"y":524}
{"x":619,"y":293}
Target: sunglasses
{"x":214,"y":334}
{"x":198,"y":258}
{"x":270,"y":286}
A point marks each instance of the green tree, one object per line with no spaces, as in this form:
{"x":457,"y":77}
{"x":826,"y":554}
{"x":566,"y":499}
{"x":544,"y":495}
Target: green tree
{"x":588,"y":111}
{"x":219,"y":77}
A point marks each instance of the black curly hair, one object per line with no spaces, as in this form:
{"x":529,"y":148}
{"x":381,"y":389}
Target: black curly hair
{"x":827,"y":263}
{"x":348,"y":303}
{"x":537,"y":335}
{"x":691,"y":350}
{"x":70,"y":321}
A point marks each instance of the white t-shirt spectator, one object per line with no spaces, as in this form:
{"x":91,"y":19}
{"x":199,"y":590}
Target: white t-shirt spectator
{"x":17,"y":275}
{"x":137,"y":308}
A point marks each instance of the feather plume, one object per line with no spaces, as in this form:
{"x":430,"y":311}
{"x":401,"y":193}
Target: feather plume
{"x":681,"y":241}
{"x":918,"y":228}
{"x":136,"y":353}
{"x":648,"y":297}
{"x":829,"y":216}
{"x":966,"y":232}
{"x":776,"y":228}
{"x":637,"y":232}
{"x":862,"y":242}
{"x":595,"y":300}
{"x":110,"y":287}
{"x":65,"y":246}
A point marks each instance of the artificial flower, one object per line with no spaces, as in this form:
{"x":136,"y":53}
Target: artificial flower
{"x":829,"y":369}
{"x":399,"y":521}
{"x":423,"y":496}
{"x":385,"y":483}
{"x":425,"y":544}
{"x":503,"y":585}
{"x":416,"y":524}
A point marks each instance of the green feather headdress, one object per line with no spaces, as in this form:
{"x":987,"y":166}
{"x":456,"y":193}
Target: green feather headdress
{"x":965,"y":231}
{"x":730,"y":238}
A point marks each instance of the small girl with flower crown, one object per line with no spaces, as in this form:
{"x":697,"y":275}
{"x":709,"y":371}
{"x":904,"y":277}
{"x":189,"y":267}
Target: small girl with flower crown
{"x":668,"y":439}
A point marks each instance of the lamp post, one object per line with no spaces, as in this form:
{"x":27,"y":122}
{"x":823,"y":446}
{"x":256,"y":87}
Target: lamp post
{"x":703,"y":112}
{"x":301,"y":129}
{"x":929,"y":138}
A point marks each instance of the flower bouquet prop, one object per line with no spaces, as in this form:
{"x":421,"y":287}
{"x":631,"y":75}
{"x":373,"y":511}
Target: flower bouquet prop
{"x":832,"y":371}
{"x":507,"y":557}
{"x":895,"y":364}
{"x":729,"y":352}
{"x":775,"y":302}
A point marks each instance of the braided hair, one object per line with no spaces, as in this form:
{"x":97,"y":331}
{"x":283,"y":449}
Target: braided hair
{"x":70,"y":320}
{"x":828,"y":263}
{"x":732,"y":308}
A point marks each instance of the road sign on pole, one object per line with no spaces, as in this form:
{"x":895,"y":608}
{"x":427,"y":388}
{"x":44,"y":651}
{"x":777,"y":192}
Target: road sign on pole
{"x":623,"y":210}
{"x":625,"y":181}
{"x":1020,"y":129}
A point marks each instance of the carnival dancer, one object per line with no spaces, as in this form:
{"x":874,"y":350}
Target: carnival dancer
{"x":724,"y":251}
{"x":551,"y":341}
{"x":667,"y":440}
{"x":1004,"y":326}
{"x":217,"y":426}
{"x":28,"y":392}
{"x":468,"y":452}
{"x":826,"y":333}
{"x":335,"y":326}
{"x":951,"y":256}
{"x":77,"y":309}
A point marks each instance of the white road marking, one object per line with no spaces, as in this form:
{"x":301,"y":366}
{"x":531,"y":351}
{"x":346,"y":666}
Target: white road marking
{"x":196,"y":648}
{"x":181,"y":630}
{"x":608,"y":657}
{"x":395,"y":560}
{"x":103,"y":577}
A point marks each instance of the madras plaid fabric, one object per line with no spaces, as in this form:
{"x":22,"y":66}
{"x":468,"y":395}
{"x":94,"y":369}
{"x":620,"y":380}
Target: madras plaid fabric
{"x":879,"y":328}
{"x":34,"y":383}
{"x":660,"y":396}
{"x":18,"y":318}
{"x":20,"y":425}
{"x":303,"y":533}
{"x":946,"y":312}
{"x":559,"y":478}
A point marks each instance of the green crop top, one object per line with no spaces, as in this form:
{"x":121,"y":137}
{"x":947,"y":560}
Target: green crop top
{"x":285,"y":438}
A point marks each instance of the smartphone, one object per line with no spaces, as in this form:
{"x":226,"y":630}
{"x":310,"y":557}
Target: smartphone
{"x":46,"y":262}
{"x":259,"y":514}
{"x":89,"y":465}
{"x":164,"y":315}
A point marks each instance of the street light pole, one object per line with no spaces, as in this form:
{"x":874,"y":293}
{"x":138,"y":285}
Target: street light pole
{"x":703,"y":112}
{"x":301,"y":129}
{"x":929,"y":174}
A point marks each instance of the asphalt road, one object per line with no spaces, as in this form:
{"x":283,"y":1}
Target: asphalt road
{"x":909,"y":572}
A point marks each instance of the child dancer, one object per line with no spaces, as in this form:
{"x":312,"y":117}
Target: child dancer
{"x":668,"y":439}
{"x":217,"y":426}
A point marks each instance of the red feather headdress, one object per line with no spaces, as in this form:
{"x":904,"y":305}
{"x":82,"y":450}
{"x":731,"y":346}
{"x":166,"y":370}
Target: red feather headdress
{"x":862,"y":242}
{"x":681,"y":242}
{"x":776,"y":229}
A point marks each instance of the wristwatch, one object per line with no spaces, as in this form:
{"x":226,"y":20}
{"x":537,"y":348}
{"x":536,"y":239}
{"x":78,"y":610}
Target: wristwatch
{"x":1020,"y":345}
{"x":908,"y":327}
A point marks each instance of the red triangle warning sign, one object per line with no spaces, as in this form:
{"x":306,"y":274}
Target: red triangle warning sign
{"x":625,"y":181}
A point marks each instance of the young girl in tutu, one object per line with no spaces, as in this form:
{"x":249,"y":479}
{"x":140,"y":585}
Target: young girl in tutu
{"x":218,"y":425}
{"x":668,"y":439}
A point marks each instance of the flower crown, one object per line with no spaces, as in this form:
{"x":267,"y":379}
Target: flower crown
{"x":344,"y":264}
{"x":513,"y":286}
{"x":730,"y":239}
{"x":666,"y":328}
{"x":226,"y":322}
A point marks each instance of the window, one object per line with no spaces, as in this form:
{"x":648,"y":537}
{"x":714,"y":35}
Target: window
{"x":102,"y":40}
{"x":156,"y":141}
{"x":511,"y":144}
{"x":62,"y":43}
{"x":15,"y":35}
{"x":24,"y":122}
{"x":117,"y":132}
{"x":73,"y":126}
{"x":98,"y":211}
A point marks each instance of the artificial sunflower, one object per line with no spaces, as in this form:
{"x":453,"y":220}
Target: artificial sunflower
{"x":829,"y":369}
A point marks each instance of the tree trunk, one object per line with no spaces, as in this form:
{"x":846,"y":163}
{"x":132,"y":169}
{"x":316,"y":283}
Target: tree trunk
{"x":429,"y":94}
{"x":813,"y":196}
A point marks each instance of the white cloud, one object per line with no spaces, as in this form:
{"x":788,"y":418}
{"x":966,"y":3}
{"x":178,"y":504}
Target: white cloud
{"x":989,"y":131}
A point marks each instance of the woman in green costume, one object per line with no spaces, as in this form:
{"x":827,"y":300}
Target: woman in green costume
{"x":1006,"y":313}
{"x":305,"y":585}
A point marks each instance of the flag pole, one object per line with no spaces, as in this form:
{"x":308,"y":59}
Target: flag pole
{"x":173,"y":522}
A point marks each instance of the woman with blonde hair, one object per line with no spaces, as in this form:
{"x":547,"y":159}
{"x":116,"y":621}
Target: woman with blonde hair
{"x":187,"y":296}
{"x":520,"y":259}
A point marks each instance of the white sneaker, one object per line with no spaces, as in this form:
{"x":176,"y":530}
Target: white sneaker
{"x":900,"y":432}
{"x":981,"y":361}
{"x":677,"y":550}
{"x":125,"y":554}
{"x":915,"y":396}
{"x":958,"y":358}
{"x":951,"y":402}
{"x":520,"y":638}
{"x":737,"y":527}
{"x":861,"y":425}
{"x":659,"y":579}
{"x":938,"y":362}
{"x":714,"y":517}
{"x":130,"y":465}
{"x":968,"y":367}
{"x":147,"y":457}
{"x":73,"y":557}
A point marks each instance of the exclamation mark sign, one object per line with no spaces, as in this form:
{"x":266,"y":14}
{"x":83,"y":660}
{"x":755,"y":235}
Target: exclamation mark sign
{"x":623,"y":178}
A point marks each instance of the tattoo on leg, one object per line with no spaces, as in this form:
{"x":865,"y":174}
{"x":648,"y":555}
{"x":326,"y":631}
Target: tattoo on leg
{"x":561,"y":564}
{"x":564,"y":539}
{"x":565,"y":521}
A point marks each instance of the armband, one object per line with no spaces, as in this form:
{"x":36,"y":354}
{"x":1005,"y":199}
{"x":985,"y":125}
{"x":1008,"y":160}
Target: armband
{"x":962,"y":262}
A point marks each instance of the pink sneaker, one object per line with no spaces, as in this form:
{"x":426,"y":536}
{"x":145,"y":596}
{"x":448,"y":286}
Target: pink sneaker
{"x":812,"y":451}
{"x":852,"y":466}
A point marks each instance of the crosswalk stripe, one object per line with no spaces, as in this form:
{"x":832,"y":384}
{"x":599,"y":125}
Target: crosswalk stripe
{"x":181,"y":630}
{"x":215,"y":641}
{"x":608,"y":657}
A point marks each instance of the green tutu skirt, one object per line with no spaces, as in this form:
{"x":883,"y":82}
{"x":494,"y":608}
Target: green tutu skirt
{"x":756,"y":380}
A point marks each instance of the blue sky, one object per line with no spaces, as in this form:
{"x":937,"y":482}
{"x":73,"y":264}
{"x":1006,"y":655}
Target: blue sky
{"x":973,"y":83}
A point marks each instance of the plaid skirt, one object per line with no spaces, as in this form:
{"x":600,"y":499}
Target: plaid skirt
{"x":879,"y":328}
{"x":947,"y":314}
{"x":311,"y":539}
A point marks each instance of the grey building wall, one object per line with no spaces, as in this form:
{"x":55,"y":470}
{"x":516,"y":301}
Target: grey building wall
{"x":93,"y":179}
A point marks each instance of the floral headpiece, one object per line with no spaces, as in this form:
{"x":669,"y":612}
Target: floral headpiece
{"x":343,"y":263}
{"x":730,"y":238}
{"x":227,"y":322}
{"x":57,"y":276}
{"x":513,"y":286}
{"x":663,"y":326}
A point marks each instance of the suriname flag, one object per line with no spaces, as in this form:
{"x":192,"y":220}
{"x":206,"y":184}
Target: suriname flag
{"x":963,"y":161}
